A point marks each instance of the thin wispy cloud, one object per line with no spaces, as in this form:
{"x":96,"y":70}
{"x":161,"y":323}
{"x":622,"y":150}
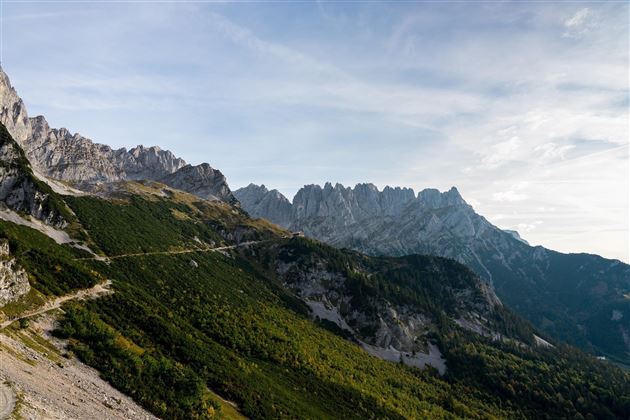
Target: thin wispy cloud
{"x":522,"y":106}
{"x":580,"y":23}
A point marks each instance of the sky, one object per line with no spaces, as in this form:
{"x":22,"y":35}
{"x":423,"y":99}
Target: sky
{"x":523,"y":106}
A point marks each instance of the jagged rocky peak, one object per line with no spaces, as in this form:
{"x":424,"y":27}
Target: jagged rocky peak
{"x":435,"y":199}
{"x":252,"y":190}
{"x":364,"y":200}
{"x":256,"y":194}
{"x":269,"y":204}
{"x":60,"y":154}
{"x":152,"y":162}
{"x":12,"y":110}
{"x":345,"y":205}
{"x":202,"y":181}
{"x":63,"y":155}
{"x":39,"y":126}
{"x":516,"y":235}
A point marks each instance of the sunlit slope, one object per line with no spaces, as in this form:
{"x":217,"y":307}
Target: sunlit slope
{"x":181,"y":326}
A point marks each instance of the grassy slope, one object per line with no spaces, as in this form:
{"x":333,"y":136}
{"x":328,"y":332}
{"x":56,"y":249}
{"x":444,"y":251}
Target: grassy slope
{"x":241,"y":333}
{"x":430,"y":285}
{"x":51,"y":267}
{"x":541,"y":383}
{"x":171,"y":330}
{"x":244,"y":337}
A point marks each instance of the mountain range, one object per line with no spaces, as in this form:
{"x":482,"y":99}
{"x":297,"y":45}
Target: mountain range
{"x":213,"y":311}
{"x":568,"y":296}
{"x":61,"y":155}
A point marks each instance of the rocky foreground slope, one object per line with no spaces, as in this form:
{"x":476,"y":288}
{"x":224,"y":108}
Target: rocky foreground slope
{"x":40,"y":383}
{"x":570,"y":296}
{"x":62,"y":155}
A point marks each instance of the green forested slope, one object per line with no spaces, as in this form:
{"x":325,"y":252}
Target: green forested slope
{"x":171,"y":331}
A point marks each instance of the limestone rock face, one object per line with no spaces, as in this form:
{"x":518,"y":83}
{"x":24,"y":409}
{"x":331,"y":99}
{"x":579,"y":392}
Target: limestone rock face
{"x":69,"y":157}
{"x":363,"y":201}
{"x":13,"y":279}
{"x":62,"y":155}
{"x":270,"y":205}
{"x":202,"y":181}
{"x":150,"y":162}
{"x":59,"y":154}
{"x":516,"y":235}
{"x":393,"y":221}
{"x":20,"y":190}
{"x":388,"y":326}
{"x":12,"y":111}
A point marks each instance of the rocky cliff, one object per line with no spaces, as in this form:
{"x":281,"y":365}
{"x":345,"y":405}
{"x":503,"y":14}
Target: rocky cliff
{"x":13,"y":279}
{"x":394,"y":308}
{"x":12,"y":111}
{"x":569,"y":296}
{"x":21,"y":191}
{"x":62,"y":155}
{"x":263,"y":203}
{"x":202,"y":181}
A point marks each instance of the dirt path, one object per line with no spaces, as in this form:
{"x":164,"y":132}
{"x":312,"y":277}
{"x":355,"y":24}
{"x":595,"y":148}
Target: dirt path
{"x":95,"y":291}
{"x":7,"y":401}
{"x":182,"y":251}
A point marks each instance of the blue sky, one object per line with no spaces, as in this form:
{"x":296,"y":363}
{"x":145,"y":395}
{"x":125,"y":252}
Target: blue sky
{"x":521,"y":105}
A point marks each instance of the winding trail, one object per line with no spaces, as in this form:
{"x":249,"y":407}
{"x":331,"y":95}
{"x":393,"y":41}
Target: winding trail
{"x":181,"y":251}
{"x":7,"y":396}
{"x":97,"y":290}
{"x":7,"y":401}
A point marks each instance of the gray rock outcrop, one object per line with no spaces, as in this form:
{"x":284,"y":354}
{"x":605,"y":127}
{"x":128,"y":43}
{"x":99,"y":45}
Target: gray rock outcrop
{"x":21,"y":191}
{"x":62,"y":155}
{"x":516,"y":235}
{"x":59,"y":154}
{"x":13,"y":279}
{"x":399,"y":326}
{"x":263,"y":203}
{"x":202,"y":181}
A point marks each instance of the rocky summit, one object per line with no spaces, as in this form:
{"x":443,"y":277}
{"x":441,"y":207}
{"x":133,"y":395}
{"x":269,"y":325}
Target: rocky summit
{"x":202,"y":181}
{"x":270,"y":205}
{"x":570,"y":296}
{"x":62,"y":155}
